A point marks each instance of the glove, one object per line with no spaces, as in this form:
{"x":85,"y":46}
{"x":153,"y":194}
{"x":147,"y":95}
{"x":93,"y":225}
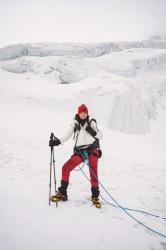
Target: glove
{"x":100,"y":153}
{"x":91,"y":131}
{"x":53,"y":143}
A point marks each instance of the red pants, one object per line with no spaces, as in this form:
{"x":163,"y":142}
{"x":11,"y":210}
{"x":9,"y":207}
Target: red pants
{"x":74,"y":161}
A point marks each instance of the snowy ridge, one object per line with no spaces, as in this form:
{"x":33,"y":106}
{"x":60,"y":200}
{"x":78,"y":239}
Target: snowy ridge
{"x":79,"y":49}
{"x":71,"y":69}
{"x":55,"y":49}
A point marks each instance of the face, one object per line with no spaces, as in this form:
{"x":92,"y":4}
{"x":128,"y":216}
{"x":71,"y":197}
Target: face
{"x":83,"y":115}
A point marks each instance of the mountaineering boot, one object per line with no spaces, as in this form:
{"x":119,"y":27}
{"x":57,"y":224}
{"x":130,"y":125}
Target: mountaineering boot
{"x":95,"y":195}
{"x":96,"y":202}
{"x":95,"y":192}
{"x":58,"y":197}
{"x":61,"y":195}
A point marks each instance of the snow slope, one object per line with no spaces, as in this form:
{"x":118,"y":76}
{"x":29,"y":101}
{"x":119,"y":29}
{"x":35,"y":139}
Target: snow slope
{"x":131,"y":82}
{"x":130,"y":106}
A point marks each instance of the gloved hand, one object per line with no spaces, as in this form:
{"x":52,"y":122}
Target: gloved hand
{"x":100,"y":153}
{"x":90,"y":131}
{"x":53,"y":143}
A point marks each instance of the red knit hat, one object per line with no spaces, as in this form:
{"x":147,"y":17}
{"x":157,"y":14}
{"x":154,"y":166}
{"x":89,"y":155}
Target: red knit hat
{"x":82,"y":108}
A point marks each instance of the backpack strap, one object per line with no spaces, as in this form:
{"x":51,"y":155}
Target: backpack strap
{"x":93,"y":120}
{"x":77,"y":126}
{"x":96,"y":143}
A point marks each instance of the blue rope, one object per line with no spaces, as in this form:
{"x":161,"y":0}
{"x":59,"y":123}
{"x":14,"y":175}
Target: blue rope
{"x":126,"y":208}
{"x":123,"y":209}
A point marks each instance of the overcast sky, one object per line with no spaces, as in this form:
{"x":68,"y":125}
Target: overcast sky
{"x":80,"y":20}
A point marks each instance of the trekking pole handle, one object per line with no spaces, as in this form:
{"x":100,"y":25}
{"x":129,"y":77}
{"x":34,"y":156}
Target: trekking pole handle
{"x":53,"y":137}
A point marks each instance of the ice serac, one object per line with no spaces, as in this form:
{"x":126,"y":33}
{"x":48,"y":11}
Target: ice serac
{"x":131,"y":115}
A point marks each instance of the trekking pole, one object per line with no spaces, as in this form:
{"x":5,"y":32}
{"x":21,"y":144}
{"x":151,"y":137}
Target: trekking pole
{"x":50,"y":175}
{"x":52,"y":165}
{"x":54,"y":174}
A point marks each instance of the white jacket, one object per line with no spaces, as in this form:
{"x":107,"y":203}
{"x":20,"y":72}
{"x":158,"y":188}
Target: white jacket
{"x":84,"y":137}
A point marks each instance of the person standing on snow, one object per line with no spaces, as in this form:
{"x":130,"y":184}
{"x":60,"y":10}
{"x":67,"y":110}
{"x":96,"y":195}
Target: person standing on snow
{"x":87,"y":136}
